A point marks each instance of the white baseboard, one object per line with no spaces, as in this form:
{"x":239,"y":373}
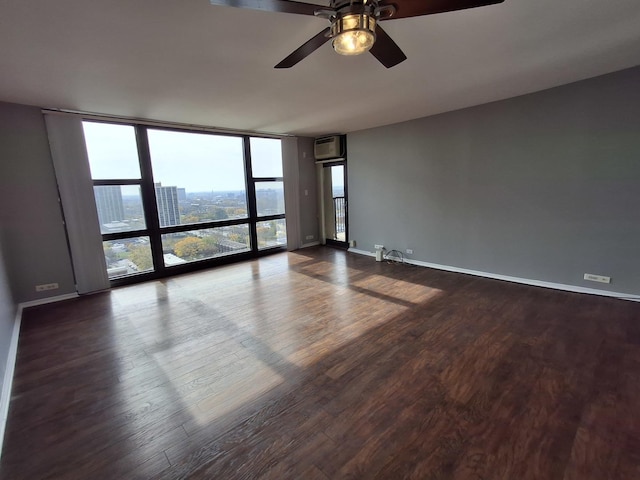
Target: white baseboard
{"x":507,"y":278}
{"x":310,"y":244}
{"x":5,"y":396}
{"x":361,"y":252}
{"x":44,"y":301}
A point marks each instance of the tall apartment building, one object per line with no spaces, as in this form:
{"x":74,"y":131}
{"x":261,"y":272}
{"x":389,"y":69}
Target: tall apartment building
{"x":168,"y":211}
{"x":109,"y":204}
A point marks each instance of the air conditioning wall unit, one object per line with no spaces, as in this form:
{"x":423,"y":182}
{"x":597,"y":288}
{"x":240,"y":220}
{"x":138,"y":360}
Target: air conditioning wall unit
{"x":329,"y":148}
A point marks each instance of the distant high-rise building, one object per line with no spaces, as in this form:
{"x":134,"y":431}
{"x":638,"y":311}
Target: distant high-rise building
{"x":182,"y":194}
{"x":109,"y":203}
{"x":168,"y":211}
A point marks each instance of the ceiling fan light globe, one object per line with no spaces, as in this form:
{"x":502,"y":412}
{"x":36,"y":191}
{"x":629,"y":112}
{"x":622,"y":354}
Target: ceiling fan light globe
{"x":353,"y":34}
{"x":353,"y":42}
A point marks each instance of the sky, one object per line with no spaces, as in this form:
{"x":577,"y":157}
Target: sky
{"x":337,"y":176}
{"x":194,"y":161}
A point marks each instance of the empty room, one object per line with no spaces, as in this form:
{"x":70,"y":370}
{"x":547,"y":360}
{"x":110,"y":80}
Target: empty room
{"x":273,"y":239}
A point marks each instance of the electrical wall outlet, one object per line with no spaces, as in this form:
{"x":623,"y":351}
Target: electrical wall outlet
{"x":379,"y":247}
{"x":409,"y":251}
{"x":597,"y":278}
{"x":309,"y":237}
{"x":352,"y":243}
{"x":46,"y":286}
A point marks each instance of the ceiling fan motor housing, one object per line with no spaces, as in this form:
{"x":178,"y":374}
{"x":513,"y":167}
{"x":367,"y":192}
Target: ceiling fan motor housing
{"x":353,"y":27}
{"x":353,"y":33}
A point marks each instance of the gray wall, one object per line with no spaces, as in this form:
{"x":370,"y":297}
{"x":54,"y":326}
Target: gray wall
{"x":542,"y":187}
{"x":7,"y":316}
{"x":33,"y":234}
{"x":309,"y":224}
{"x":300,"y":191}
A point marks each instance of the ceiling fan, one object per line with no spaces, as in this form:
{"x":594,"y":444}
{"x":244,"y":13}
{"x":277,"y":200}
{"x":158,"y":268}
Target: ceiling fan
{"x":354,"y":25}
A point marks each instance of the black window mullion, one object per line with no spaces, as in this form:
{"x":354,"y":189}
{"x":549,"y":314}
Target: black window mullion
{"x":268,"y":218}
{"x":106,"y":237}
{"x":149,"y":202}
{"x":117,"y":182}
{"x":203,"y":226}
{"x":346,"y":202}
{"x":268,"y":179}
{"x":251,"y":195}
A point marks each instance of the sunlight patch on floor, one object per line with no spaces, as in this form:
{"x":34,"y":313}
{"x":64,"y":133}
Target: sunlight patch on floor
{"x":347,"y":329}
{"x":393,"y":289}
{"x":236,"y":390}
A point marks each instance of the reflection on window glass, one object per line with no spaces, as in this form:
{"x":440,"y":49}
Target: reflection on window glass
{"x":269,"y":198}
{"x":272,"y":233}
{"x":183,"y":247}
{"x":119,"y":208}
{"x":127,"y":256}
{"x":112,"y":151}
{"x":266,"y":157}
{"x":198,"y":177}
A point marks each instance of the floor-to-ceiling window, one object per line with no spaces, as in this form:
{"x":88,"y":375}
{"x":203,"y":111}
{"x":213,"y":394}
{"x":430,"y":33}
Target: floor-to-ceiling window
{"x":170,"y":200}
{"x":117,"y":185}
{"x":268,"y":184}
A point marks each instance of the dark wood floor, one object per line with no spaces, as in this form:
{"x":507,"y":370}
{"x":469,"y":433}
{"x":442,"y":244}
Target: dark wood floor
{"x":322,"y":364}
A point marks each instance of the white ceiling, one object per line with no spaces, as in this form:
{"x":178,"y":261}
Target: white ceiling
{"x":188,"y":62}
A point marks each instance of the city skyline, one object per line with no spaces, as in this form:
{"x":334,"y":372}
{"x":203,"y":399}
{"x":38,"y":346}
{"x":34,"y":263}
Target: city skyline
{"x":175,"y":156}
{"x":120,"y":211}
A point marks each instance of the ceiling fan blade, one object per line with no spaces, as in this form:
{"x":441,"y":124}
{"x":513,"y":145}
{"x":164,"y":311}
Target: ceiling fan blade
{"x":386,"y":50}
{"x":416,"y":8}
{"x":285,"y":6}
{"x":305,"y":49}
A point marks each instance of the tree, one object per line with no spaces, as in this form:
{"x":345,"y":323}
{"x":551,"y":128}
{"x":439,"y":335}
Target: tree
{"x":141,"y":256}
{"x":210,"y":245}
{"x":220,"y":213}
{"x":109,"y":255}
{"x":192,"y":218}
{"x":238,"y":237}
{"x":267,"y":234}
{"x":189,"y":247}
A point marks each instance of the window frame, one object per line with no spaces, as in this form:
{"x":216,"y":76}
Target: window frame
{"x":153,"y":229}
{"x":251,"y":183}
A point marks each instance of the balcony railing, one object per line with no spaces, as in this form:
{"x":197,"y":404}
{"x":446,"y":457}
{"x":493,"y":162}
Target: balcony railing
{"x":339,"y":209}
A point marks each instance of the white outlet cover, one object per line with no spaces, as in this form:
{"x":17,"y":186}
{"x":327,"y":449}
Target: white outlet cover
{"x":597,"y":278}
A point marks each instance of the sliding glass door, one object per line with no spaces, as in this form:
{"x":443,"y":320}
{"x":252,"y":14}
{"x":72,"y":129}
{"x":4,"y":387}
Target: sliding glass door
{"x":335,"y":203}
{"x":171,"y":200}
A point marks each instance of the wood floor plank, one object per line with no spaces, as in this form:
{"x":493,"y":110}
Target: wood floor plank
{"x":321,"y":364}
